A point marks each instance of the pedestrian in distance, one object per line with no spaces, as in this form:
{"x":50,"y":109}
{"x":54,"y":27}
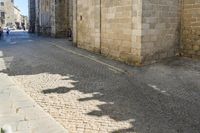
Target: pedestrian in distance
{"x":24,"y":28}
{"x":8,"y":31}
{"x":1,"y":32}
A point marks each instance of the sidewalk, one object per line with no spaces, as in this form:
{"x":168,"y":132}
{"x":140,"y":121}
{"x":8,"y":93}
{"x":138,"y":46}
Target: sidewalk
{"x":22,"y":113}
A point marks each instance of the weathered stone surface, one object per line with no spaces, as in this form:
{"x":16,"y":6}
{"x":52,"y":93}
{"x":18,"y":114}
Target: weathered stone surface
{"x":160,"y":29}
{"x":190,"y":29}
{"x":20,"y":114}
{"x":32,"y":15}
{"x":133,"y":31}
{"x":88,"y":24}
{"x":53,"y":18}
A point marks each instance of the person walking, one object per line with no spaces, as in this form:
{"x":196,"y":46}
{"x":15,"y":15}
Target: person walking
{"x":8,"y":31}
{"x":1,"y":32}
{"x":24,"y":28}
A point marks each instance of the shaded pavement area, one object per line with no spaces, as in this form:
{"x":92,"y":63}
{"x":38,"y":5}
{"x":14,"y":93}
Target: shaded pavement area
{"x":88,"y":93}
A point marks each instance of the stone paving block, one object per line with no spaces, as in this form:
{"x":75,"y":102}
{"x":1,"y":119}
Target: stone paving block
{"x":7,"y":109}
{"x":24,"y":131}
{"x":23,"y":114}
{"x":23,"y":126}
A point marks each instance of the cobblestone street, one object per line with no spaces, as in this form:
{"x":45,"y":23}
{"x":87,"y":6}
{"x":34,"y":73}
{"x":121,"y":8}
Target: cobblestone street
{"x":88,"y":93}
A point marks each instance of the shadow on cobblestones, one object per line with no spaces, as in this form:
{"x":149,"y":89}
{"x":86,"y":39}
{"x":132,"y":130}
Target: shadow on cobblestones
{"x":160,"y":98}
{"x":58,"y":90}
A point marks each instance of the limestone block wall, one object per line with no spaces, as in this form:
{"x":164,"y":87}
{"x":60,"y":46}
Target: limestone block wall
{"x":61,"y":18}
{"x":88,"y":24}
{"x":53,"y":21}
{"x":53,"y":17}
{"x":70,"y":13}
{"x":45,"y":17}
{"x":74,"y":21}
{"x":190,"y":46}
{"x":9,"y":13}
{"x":133,"y":31}
{"x":160,"y":29}
{"x":109,"y":27}
{"x":32,"y":15}
{"x":116,"y":29}
{"x":136,"y":31}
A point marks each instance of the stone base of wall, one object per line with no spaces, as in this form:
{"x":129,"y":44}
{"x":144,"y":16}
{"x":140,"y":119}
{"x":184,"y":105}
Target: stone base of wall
{"x":89,"y":48}
{"x":190,"y":54}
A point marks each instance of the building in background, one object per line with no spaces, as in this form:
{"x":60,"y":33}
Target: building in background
{"x":52,"y":18}
{"x":2,"y":14}
{"x":139,"y":32}
{"x":7,"y":13}
{"x":24,"y":22}
{"x":32,"y":15}
{"x":17,"y":14}
{"x":10,"y":15}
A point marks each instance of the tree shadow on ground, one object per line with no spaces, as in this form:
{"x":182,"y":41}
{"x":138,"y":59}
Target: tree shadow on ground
{"x":148,"y":108}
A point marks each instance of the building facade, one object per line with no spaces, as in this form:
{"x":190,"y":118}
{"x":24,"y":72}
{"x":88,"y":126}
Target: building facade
{"x":190,"y":29}
{"x":10,"y":15}
{"x":139,"y":31}
{"x":51,"y":18}
{"x":24,"y":22}
{"x":2,"y":13}
{"x":17,"y":17}
{"x":7,"y":13}
{"x":32,"y":15}
{"x":44,"y":16}
{"x":133,"y":31}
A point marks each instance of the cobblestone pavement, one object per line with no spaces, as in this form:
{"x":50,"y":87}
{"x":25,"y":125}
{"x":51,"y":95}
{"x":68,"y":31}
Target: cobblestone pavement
{"x":20,"y":114}
{"x":88,"y":93}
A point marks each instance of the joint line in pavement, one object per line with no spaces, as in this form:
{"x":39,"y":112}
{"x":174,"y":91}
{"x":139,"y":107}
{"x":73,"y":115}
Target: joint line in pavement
{"x":93,"y":59}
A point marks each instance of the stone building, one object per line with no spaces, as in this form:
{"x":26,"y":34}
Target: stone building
{"x":24,"y":22}
{"x":133,"y":31}
{"x":190,"y":28}
{"x":10,"y":14}
{"x":2,"y":14}
{"x":32,"y":15}
{"x":7,"y":13}
{"x":44,"y":16}
{"x":51,"y":18}
{"x":17,"y":17}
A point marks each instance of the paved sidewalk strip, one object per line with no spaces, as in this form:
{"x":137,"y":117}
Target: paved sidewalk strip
{"x":21,"y":113}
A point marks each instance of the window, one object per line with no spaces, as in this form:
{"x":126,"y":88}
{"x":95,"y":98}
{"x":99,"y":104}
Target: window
{"x":2,"y":4}
{"x":2,"y":15}
{"x":2,"y":21}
